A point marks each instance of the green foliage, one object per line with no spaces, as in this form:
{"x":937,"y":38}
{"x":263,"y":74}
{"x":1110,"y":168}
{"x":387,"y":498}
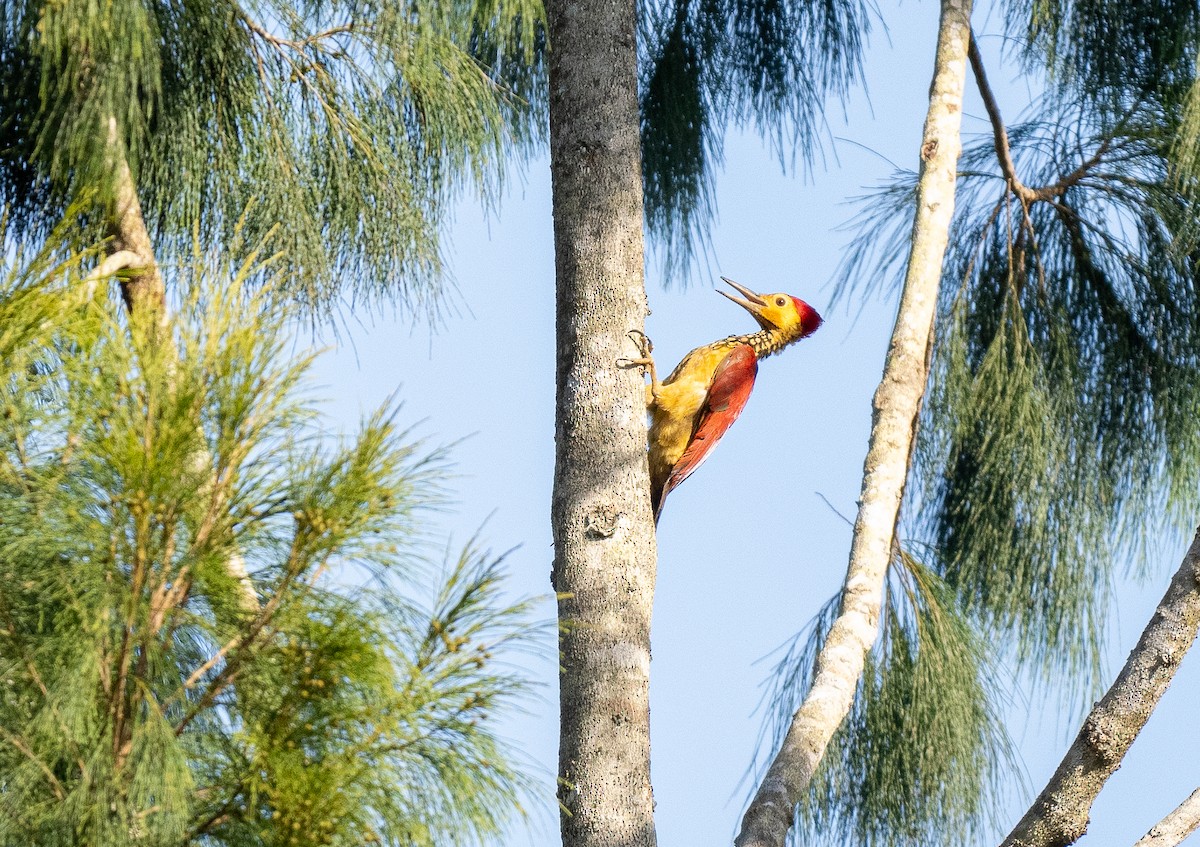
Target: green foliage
{"x":923,"y":752}
{"x":681,"y":141}
{"x":1108,"y":51}
{"x":144,"y":699}
{"x":1060,"y":426}
{"x":351,"y":124}
{"x":1058,"y":432}
{"x":712,"y":64}
{"x":1116,"y":56}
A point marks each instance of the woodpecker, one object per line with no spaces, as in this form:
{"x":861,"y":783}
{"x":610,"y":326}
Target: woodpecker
{"x":693,"y":407}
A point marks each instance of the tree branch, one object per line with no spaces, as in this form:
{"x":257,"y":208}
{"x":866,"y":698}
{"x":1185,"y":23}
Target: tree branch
{"x":1060,"y":187}
{"x":300,"y":44}
{"x":897,"y":404}
{"x":244,"y":640}
{"x":1059,"y":816}
{"x":999,"y":132}
{"x":113,"y":263}
{"x":127,"y":229}
{"x":1004,"y":150}
{"x":1176,"y":826}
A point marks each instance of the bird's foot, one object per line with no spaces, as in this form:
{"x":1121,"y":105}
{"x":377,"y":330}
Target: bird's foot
{"x":645,"y":345}
{"x":645,"y":348}
{"x":635,"y":363}
{"x":645,"y":361}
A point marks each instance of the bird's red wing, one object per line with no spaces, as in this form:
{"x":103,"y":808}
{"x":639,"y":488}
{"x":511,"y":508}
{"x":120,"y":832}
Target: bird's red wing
{"x":727,"y":395}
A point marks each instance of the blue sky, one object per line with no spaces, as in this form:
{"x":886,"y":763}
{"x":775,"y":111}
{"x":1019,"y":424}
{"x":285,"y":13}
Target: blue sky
{"x":748,"y":549}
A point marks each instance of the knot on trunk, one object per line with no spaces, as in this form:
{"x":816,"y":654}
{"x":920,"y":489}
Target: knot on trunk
{"x":1101,"y":738}
{"x":602,"y":522}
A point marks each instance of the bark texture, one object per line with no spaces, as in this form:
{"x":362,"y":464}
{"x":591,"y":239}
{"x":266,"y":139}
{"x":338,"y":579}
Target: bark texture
{"x":896,"y":405}
{"x":1059,"y":816}
{"x":604,"y":545}
{"x":1176,"y":826}
{"x":143,"y":286}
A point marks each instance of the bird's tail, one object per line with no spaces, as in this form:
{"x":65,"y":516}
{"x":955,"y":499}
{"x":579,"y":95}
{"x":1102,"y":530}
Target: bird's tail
{"x":657,"y":497}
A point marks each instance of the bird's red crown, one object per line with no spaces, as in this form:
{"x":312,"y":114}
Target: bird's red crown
{"x":810,"y":320}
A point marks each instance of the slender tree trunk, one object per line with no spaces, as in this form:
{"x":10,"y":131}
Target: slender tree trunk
{"x":1059,"y":816}
{"x":143,"y":286}
{"x":604,"y":545}
{"x":894,"y":421}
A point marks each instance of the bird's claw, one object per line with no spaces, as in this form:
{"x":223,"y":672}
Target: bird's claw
{"x":645,"y":348}
{"x":645,"y":345}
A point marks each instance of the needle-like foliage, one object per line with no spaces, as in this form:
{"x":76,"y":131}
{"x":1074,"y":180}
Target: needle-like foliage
{"x":143,"y":701}
{"x":923,"y":752}
{"x":1112,"y":54}
{"x":350,"y":123}
{"x":1108,"y":50}
{"x":1060,"y":427}
{"x":711,"y":64}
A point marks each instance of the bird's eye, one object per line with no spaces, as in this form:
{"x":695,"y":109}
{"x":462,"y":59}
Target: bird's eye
{"x":779,"y":301}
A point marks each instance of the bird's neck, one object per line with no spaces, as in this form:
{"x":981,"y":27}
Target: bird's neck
{"x":765,"y":342}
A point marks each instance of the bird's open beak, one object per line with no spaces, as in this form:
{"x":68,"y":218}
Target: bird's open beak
{"x":749,"y":301}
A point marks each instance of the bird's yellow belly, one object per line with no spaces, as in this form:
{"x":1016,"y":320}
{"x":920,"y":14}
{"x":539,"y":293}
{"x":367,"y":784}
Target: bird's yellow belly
{"x":673,"y":417}
{"x":673,"y":414}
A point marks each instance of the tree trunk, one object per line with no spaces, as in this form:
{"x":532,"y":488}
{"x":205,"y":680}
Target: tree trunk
{"x":896,"y":406}
{"x":604,"y":544}
{"x":1059,"y":816}
{"x":143,"y":286}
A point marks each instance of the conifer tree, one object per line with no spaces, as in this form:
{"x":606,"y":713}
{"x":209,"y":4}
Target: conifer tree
{"x":211,"y":628}
{"x":142,"y":701}
{"x":350,"y":124}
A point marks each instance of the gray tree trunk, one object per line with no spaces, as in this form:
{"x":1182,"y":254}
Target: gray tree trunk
{"x":604,"y":544}
{"x":1059,"y":816}
{"x":896,"y":406}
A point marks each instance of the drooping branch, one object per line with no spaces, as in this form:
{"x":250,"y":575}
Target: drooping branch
{"x":999,"y":131}
{"x":1176,"y":826}
{"x":897,"y":403}
{"x":1059,"y":816}
{"x":1024,"y":193}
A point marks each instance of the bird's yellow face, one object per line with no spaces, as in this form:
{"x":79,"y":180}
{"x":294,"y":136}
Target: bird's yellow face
{"x":779,"y":312}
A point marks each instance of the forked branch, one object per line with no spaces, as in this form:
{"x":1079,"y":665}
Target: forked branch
{"x":1023,"y":192}
{"x":999,"y":131}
